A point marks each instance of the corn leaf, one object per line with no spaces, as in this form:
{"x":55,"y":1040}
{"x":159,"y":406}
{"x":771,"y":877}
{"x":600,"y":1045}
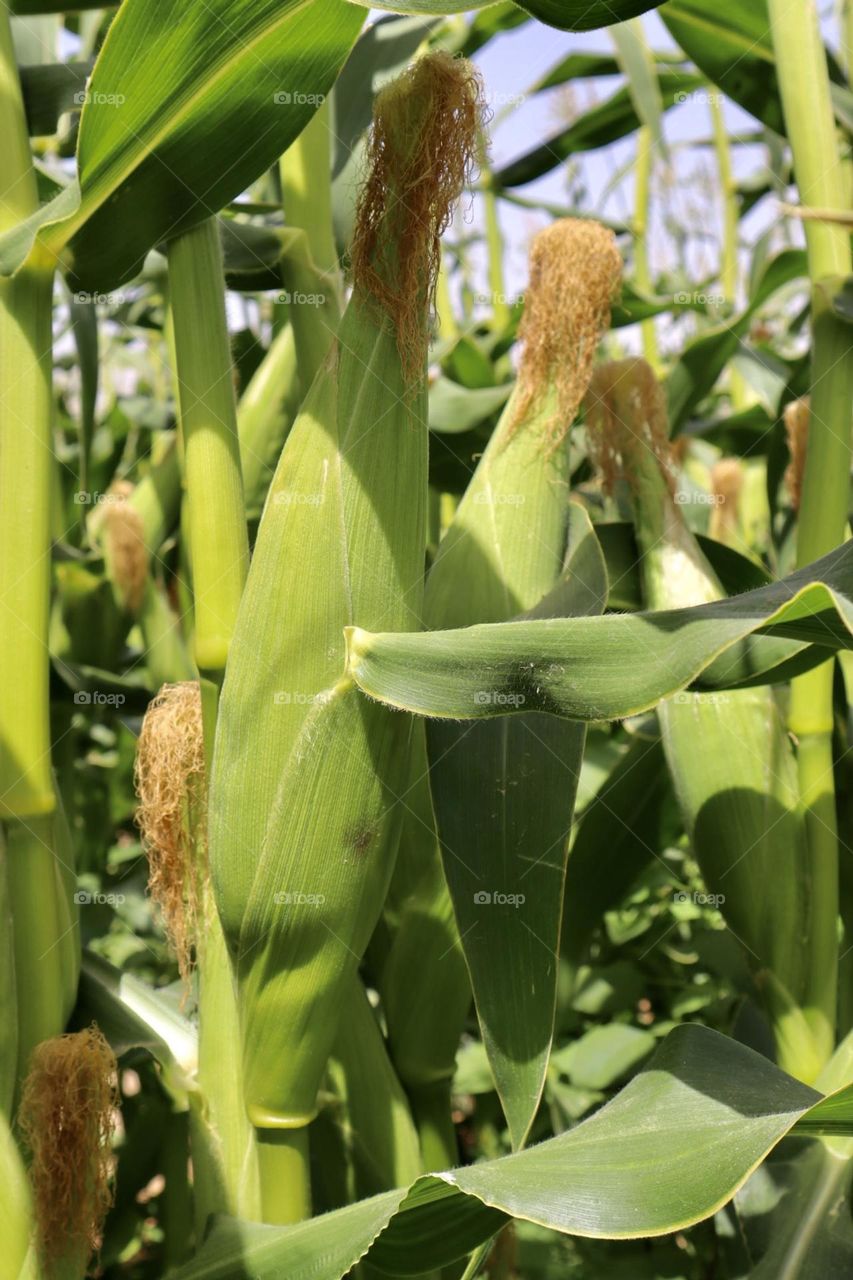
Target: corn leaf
{"x":731,"y":43}
{"x":182,"y":112}
{"x":611,"y":667}
{"x":630,"y":1170}
{"x":612,"y":119}
{"x":617,"y":838}
{"x":504,"y":790}
{"x":568,"y":15}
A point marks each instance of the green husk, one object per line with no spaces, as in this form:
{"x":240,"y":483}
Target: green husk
{"x":731,"y":761}
{"x":504,"y":792}
{"x":302,"y":842}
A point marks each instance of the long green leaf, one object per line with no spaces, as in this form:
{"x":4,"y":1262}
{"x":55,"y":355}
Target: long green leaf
{"x":611,"y":667}
{"x":632,"y":1169}
{"x":610,"y":120}
{"x":568,"y":15}
{"x":184,"y":109}
{"x":504,"y":790}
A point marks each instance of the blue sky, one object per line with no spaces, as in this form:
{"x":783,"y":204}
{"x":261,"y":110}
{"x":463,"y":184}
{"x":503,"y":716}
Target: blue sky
{"x":513,"y":61}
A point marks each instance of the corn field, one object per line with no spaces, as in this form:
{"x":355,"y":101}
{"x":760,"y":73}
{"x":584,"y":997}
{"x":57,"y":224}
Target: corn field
{"x":426,"y":640}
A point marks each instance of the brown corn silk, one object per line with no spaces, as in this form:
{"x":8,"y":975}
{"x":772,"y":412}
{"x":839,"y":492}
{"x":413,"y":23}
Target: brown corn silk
{"x":575,"y":273}
{"x":169,"y":775}
{"x":66,"y":1119}
{"x":415,"y":175}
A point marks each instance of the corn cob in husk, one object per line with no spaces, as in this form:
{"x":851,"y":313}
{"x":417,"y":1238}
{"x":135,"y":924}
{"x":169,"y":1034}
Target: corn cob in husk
{"x":504,"y":790}
{"x":304,"y":818}
{"x":731,"y":760}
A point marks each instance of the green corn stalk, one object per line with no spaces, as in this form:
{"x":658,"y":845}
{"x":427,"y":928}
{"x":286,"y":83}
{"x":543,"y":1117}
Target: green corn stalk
{"x":371,"y":1111}
{"x":302,"y":850}
{"x":38,"y":886}
{"x":822,"y":183}
{"x":424,"y":985}
{"x":265,"y":414}
{"x":310,"y":270}
{"x":730,"y":758}
{"x":223,"y":1142}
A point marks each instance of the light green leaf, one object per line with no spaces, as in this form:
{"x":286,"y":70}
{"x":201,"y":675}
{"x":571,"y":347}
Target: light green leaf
{"x":630,"y":1170}
{"x":611,"y":667}
{"x":184,"y":109}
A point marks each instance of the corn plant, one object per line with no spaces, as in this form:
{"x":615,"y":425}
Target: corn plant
{"x":425,"y":801}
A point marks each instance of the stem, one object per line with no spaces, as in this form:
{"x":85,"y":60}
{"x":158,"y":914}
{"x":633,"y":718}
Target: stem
{"x":285,"y":1175}
{"x":494,"y":242}
{"x":25,"y":475}
{"x":219,"y":547}
{"x":729,"y":256}
{"x":223,"y":1138}
{"x":804,"y":84}
{"x":642,"y":271}
{"x":310,"y":271}
{"x":306,"y":188}
{"x":431,"y":1108}
{"x":265,"y":414}
{"x":448,"y":330}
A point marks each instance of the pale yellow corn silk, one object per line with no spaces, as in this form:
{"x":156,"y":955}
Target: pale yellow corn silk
{"x":796,"y":418}
{"x":124,"y":544}
{"x":66,"y":1118}
{"x":170,"y":782}
{"x":420,"y":155}
{"x":625,"y":414}
{"x":727,"y":484}
{"x":575,"y":274}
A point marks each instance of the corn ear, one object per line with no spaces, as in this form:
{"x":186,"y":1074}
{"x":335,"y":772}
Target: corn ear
{"x":302,"y":845}
{"x":731,"y":761}
{"x":504,"y":790}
